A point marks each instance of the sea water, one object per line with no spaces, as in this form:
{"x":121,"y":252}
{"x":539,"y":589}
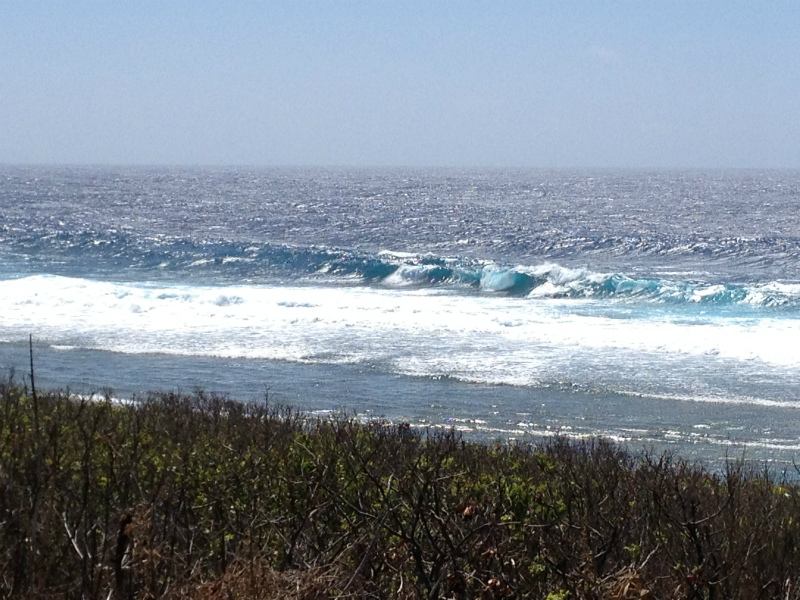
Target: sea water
{"x":661,"y":309}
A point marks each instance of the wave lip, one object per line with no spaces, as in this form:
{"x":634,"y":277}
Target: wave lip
{"x":512,"y":281}
{"x":406,"y":275}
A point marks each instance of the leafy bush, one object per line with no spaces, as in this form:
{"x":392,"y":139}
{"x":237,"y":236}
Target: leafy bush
{"x":204,"y":497}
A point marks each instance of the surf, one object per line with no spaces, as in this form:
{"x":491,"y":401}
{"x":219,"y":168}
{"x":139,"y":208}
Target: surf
{"x":426,"y":331}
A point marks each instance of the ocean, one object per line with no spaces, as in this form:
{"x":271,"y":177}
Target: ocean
{"x":660,"y":309}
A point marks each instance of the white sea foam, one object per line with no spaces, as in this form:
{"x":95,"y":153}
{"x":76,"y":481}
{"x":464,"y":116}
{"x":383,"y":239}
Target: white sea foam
{"x":408,"y":275}
{"x":423,"y":331}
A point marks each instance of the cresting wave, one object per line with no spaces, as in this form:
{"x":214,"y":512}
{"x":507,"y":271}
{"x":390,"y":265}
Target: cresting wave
{"x":555,"y":281}
{"x":119,"y":256}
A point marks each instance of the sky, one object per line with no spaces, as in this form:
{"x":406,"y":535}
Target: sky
{"x":550,"y":84}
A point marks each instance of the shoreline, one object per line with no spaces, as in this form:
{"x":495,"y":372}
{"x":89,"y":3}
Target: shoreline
{"x":698,"y":431}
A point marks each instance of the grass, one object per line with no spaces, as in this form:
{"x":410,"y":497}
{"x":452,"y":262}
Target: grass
{"x":202,"y":497}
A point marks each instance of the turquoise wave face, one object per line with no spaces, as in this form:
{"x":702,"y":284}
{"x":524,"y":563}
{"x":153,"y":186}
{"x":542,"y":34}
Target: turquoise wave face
{"x":111,"y":255}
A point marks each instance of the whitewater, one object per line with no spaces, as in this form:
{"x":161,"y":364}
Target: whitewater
{"x":661,"y":309}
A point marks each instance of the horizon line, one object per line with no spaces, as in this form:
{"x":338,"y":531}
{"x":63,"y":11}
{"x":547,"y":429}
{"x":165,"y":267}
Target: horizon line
{"x":388,"y":167}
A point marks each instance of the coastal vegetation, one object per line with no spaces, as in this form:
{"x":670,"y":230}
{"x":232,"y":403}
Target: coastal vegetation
{"x":199,"y":496}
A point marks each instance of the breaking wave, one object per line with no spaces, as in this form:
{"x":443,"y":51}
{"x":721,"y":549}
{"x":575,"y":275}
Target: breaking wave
{"x":114,"y":254}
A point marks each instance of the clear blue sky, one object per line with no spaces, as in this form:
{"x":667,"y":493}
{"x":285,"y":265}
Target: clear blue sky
{"x":646,"y":83}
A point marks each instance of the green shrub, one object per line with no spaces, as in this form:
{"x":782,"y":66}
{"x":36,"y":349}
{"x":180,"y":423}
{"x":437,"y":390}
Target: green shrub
{"x":204,"y":497}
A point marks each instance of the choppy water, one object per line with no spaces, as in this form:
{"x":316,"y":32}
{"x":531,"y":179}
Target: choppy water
{"x":657,"y":308}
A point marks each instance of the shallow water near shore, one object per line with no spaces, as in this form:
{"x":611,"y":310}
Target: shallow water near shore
{"x":699,"y":431}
